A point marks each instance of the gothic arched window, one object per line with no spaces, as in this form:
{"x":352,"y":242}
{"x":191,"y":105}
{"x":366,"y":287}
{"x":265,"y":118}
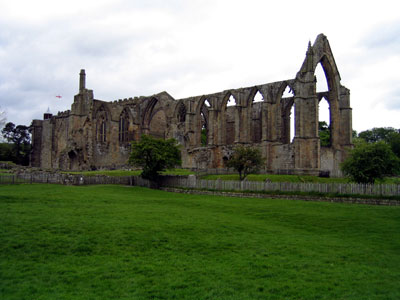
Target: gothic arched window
{"x":181,"y":113}
{"x":102,"y":132}
{"x":101,"y":125}
{"x":123,"y":131}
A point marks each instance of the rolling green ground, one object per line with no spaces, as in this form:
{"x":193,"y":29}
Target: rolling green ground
{"x":116,"y":242}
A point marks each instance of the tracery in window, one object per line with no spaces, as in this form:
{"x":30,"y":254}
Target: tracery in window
{"x":123,"y":131}
{"x":101,"y":125}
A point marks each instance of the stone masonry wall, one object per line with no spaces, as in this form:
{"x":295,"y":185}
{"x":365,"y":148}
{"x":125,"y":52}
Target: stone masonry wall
{"x":97,"y":134}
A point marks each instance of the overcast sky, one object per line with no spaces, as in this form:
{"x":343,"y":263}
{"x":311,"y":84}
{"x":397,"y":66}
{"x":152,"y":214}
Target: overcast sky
{"x":189,"y":48}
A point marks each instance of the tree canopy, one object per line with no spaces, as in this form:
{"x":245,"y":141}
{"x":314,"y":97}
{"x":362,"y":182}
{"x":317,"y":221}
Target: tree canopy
{"x":368,"y":162}
{"x":155,"y":155}
{"x":377,"y":134}
{"x":324,"y":133}
{"x":389,"y":135}
{"x":245,"y":160}
{"x":20,"y":139}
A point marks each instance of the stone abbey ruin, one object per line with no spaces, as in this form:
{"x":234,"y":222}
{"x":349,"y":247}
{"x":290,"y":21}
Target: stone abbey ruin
{"x":97,"y":134}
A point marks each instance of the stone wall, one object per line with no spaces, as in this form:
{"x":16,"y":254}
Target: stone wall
{"x":97,"y":133}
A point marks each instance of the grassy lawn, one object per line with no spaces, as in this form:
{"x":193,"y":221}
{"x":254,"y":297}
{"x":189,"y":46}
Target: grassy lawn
{"x":116,"y":242}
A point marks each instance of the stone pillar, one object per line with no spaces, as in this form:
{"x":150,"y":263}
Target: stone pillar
{"x":244,"y":125}
{"x":238,"y":113}
{"x":211,"y":126}
{"x":264,"y":121}
{"x":221,"y":128}
{"x":306,"y":138}
{"x":82,"y":81}
{"x":37,"y":126}
{"x":190,"y":125}
{"x":273,"y":130}
{"x":334,"y":115}
{"x":345,"y":111}
{"x":247,"y":110}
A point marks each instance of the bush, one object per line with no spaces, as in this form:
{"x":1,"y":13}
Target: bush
{"x":155,"y":155}
{"x":245,"y":160}
{"x":370,"y":161}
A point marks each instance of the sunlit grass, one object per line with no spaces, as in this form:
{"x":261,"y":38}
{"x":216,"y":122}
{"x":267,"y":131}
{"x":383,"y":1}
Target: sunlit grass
{"x":116,"y":242}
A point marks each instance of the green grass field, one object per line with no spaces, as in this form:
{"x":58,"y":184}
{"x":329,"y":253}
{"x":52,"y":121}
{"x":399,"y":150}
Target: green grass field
{"x":117,"y":242}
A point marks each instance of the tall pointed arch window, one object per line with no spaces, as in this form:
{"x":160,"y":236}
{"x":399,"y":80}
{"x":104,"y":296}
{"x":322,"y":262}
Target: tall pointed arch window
{"x":288,"y":115}
{"x":101,"y":125}
{"x":203,"y":114}
{"x":123,"y":128}
{"x":102,"y":131}
{"x":324,"y":109}
{"x":182,"y":113}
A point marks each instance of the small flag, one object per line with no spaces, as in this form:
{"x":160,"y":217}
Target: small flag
{"x":59,"y":97}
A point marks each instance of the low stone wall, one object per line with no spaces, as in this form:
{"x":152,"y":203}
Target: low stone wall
{"x":353,"y":200}
{"x":7,"y":166}
{"x":68,"y":179}
{"x":258,"y":186}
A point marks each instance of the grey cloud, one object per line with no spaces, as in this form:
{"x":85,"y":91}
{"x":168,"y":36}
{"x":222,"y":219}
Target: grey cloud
{"x":384,"y":37}
{"x":392,"y":99}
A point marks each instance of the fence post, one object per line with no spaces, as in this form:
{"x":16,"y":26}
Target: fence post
{"x":192,"y":181}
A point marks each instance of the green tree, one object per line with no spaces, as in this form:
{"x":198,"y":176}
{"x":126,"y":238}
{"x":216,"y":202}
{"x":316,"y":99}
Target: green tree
{"x":368,"y":162}
{"x":324,"y":134}
{"x":20,"y":138}
{"x":377,"y":134}
{"x":155,"y":155}
{"x":7,"y":152}
{"x":245,"y":160}
{"x":204,"y":137}
{"x":388,"y":135}
{"x":394,"y":142}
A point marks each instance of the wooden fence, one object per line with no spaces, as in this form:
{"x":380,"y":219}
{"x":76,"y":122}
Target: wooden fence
{"x":192,"y":182}
{"x":257,"y":186}
{"x":67,"y":179}
{"x":12,"y":179}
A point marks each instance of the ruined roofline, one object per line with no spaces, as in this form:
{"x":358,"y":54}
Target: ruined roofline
{"x":317,"y":51}
{"x":259,"y":87}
